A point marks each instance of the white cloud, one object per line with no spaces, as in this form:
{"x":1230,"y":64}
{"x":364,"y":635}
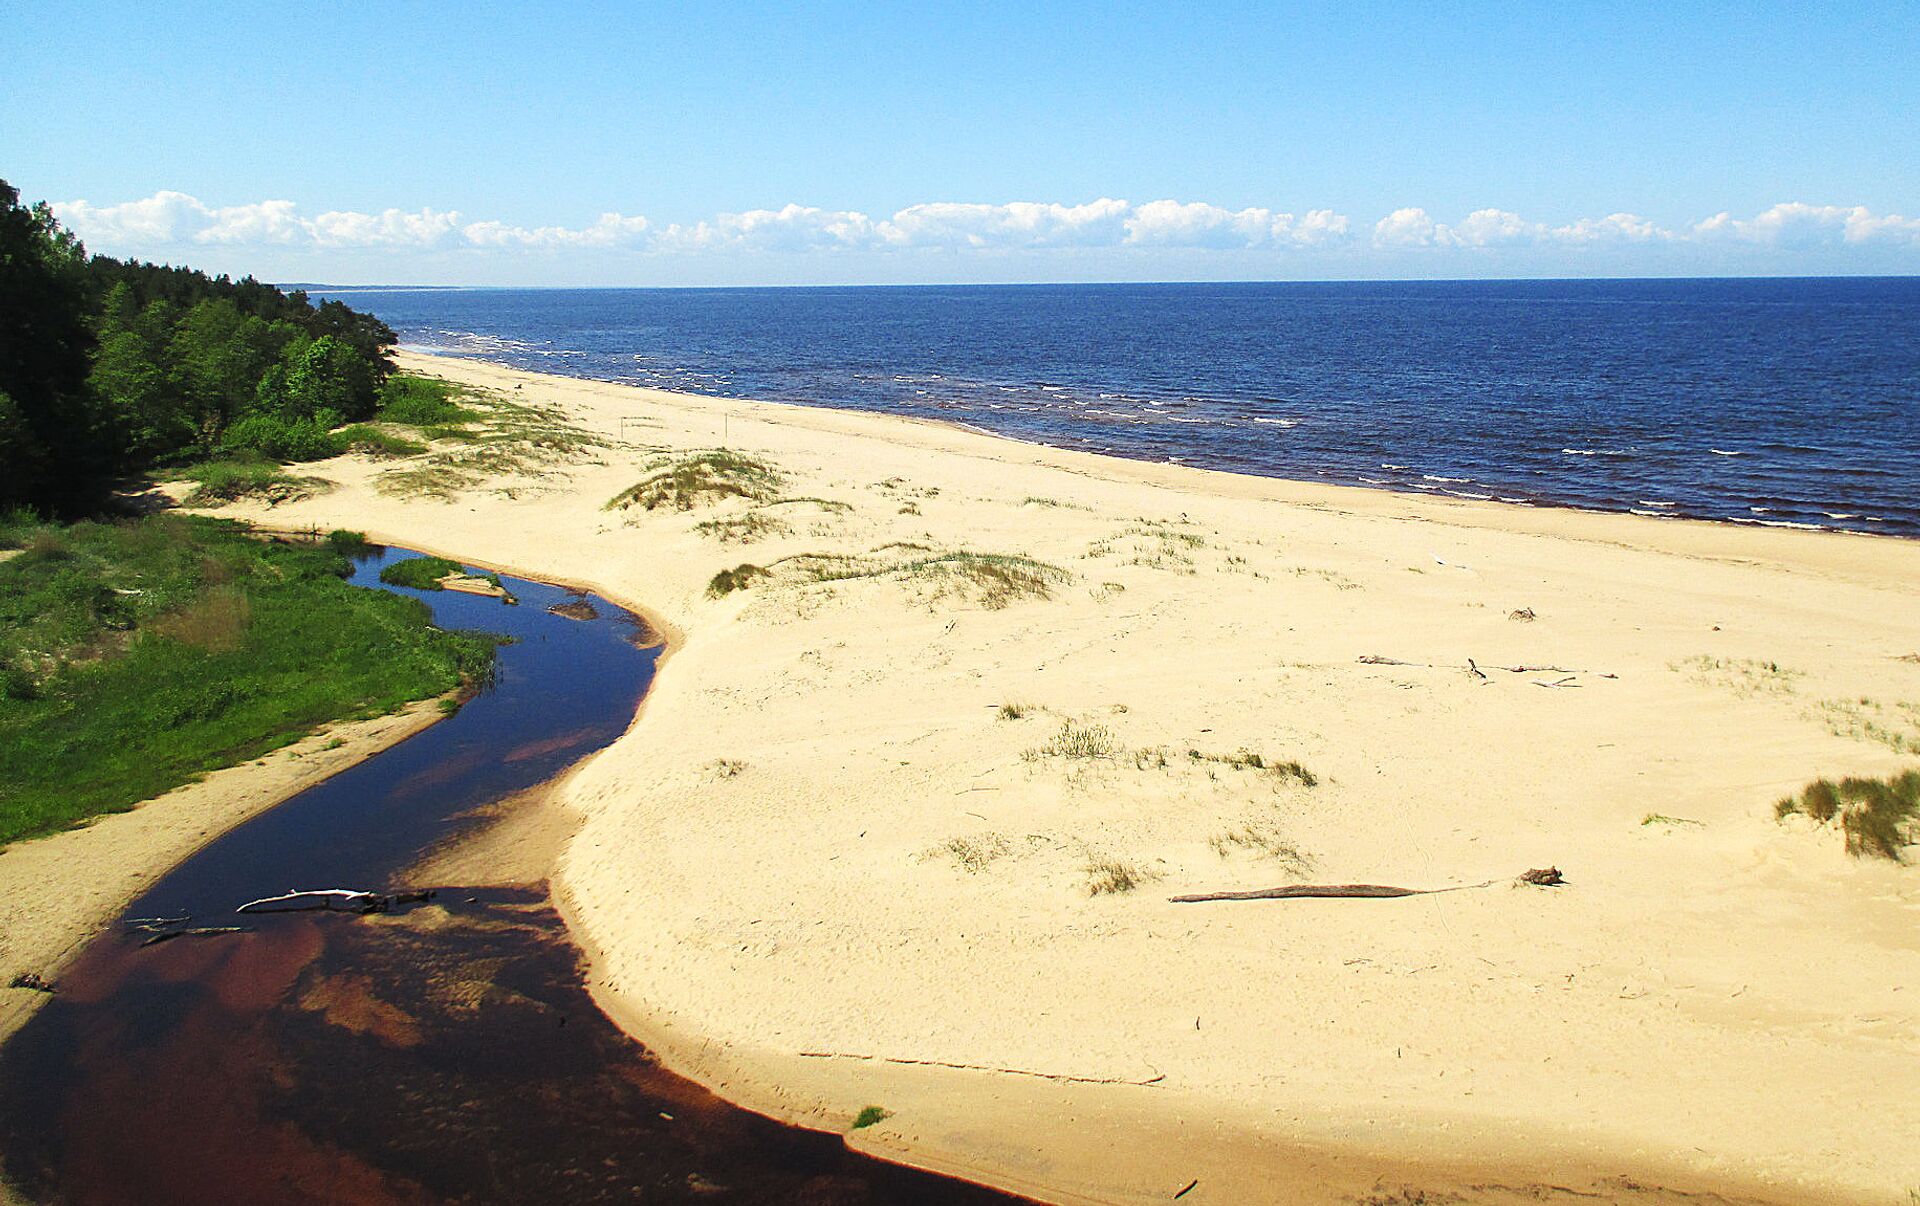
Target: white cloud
{"x":611,"y":230}
{"x":1795,"y":224}
{"x":1197,"y":224}
{"x":1627,"y":228}
{"x":789,"y":228}
{"x":388,"y":228}
{"x":1017,"y":224}
{"x":1409,"y":227}
{"x":1504,"y":228}
{"x":173,"y":220}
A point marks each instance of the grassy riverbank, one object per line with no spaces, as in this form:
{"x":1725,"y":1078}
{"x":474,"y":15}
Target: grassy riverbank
{"x":135,"y":656}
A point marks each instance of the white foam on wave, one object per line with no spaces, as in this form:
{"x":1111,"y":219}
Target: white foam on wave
{"x":1648,"y":502}
{"x":1279,"y":422}
{"x":1594,"y":452}
{"x":1434,"y":477}
{"x":1779,"y":523}
{"x":1722,"y":452}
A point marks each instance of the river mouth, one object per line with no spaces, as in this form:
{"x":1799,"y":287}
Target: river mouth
{"x":444,"y":1051}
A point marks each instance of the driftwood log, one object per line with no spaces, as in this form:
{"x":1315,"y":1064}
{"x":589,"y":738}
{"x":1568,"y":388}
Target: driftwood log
{"x":339,"y":900}
{"x":1546,"y":877}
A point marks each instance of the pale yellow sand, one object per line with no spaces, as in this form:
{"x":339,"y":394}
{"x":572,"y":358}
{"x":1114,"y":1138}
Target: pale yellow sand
{"x":765,"y":865}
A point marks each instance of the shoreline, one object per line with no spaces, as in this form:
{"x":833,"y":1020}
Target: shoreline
{"x":659,"y":962}
{"x":1438,"y":495}
{"x":736,"y":918}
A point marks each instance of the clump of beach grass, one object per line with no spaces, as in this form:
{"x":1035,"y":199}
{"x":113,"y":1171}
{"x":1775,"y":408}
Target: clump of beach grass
{"x":743,"y":529}
{"x":1081,"y":741}
{"x":994,"y":580}
{"x":739,"y":577}
{"x":872,"y":1115}
{"x":1660,"y":818}
{"x":1866,"y":719}
{"x":971,"y":854}
{"x":1013,"y":711}
{"x":1264,"y":839}
{"x":1248,"y":760}
{"x":1744,"y":676}
{"x":683,"y":481}
{"x":492,"y":441}
{"x":1877,"y":817}
{"x":1112,"y":877}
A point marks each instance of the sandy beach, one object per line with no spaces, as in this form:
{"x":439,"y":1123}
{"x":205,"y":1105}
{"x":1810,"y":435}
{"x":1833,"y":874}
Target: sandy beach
{"x":888,"y":834}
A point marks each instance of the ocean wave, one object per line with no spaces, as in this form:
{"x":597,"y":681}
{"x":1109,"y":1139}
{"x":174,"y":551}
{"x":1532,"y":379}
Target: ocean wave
{"x":1779,"y":523}
{"x":1434,"y":477}
{"x":1722,"y":452}
{"x":1611,"y":452}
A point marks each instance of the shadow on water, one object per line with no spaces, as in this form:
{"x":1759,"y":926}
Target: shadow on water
{"x":444,"y":1052}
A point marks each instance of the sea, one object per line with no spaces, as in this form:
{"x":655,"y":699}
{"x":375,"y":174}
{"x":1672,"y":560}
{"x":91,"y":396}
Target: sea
{"x":1780,"y":402}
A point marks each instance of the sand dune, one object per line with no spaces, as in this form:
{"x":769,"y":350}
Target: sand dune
{"x":857,"y":848}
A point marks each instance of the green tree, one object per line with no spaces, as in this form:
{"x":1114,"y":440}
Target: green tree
{"x":329,"y":375}
{"x":57,"y":449}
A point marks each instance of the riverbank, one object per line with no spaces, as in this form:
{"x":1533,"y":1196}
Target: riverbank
{"x":60,"y":891}
{"x":848,"y":856}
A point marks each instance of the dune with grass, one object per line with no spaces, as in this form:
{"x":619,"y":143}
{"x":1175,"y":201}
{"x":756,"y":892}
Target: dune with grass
{"x":948,"y":719}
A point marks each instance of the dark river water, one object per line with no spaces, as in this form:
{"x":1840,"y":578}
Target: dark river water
{"x":444,"y":1052}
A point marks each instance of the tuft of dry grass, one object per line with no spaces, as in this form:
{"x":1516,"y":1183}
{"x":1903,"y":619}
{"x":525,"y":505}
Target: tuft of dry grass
{"x":1264,"y":839}
{"x":1112,"y":877}
{"x":971,"y":854}
{"x":507,"y":445}
{"x":1879,"y":817}
{"x":743,"y":529}
{"x":1082,"y":741}
{"x":685,"y":480}
{"x":216,"y":622}
{"x":994,"y":580}
{"x":1744,"y":676}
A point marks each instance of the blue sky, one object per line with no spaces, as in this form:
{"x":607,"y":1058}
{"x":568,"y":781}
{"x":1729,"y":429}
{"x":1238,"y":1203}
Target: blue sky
{"x":721,"y":144}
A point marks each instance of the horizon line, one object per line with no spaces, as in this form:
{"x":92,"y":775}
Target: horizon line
{"x":327,"y":286}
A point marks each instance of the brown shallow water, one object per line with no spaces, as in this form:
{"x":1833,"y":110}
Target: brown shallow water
{"x":446,"y":1052}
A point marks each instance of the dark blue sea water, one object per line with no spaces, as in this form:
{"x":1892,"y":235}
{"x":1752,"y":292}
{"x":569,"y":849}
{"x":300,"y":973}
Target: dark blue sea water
{"x":1759,"y":401}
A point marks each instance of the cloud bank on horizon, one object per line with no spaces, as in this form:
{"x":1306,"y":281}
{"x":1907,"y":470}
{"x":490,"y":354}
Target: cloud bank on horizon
{"x":172,"y":223}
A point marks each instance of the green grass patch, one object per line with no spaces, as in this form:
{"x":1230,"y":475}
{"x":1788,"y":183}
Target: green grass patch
{"x":1878,"y":817}
{"x":870,"y":1116}
{"x":369,"y":440}
{"x":243,"y":476}
{"x":419,"y":573}
{"x":423,"y":402}
{"x":136,"y":656}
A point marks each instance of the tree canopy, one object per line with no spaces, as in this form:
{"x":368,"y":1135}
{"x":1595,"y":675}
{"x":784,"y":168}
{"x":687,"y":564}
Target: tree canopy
{"x":110,"y":366}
